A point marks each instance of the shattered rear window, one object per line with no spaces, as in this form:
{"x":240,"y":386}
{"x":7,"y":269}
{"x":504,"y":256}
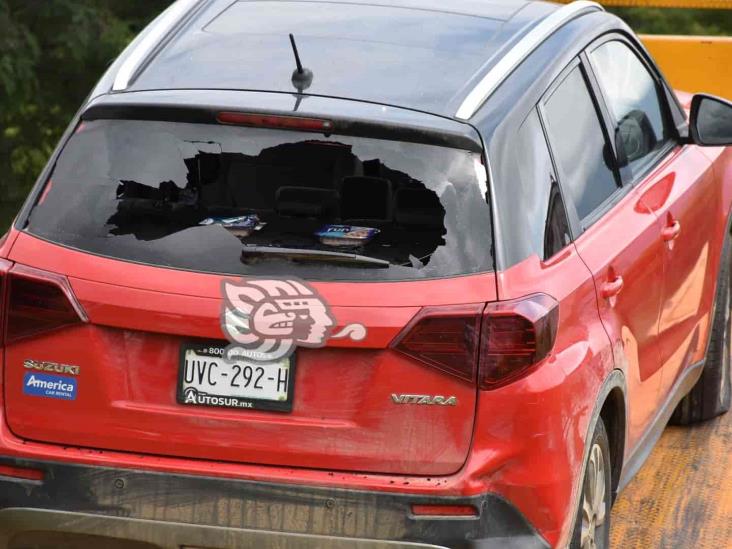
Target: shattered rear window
{"x":251,"y":201}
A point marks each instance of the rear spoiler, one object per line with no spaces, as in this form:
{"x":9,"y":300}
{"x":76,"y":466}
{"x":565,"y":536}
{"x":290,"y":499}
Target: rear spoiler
{"x":339,"y":116}
{"x":691,"y":64}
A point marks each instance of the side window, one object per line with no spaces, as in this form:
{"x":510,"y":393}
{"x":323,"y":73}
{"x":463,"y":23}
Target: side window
{"x":545,"y":215}
{"x":581,"y":153}
{"x":634,"y":101}
{"x":556,"y":234}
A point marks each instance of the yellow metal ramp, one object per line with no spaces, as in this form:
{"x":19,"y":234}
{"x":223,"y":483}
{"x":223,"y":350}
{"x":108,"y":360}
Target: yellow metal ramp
{"x":682,"y":497}
{"x":690,"y":63}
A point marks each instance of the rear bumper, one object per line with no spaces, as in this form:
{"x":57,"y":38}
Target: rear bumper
{"x":87,"y":506}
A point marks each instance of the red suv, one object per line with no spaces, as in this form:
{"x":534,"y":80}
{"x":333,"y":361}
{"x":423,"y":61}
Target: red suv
{"x":324,"y":275}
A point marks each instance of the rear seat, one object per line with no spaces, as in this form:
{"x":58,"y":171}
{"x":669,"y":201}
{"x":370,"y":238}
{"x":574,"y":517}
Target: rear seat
{"x":366,"y":200}
{"x":418,"y":207}
{"x":305,"y":201}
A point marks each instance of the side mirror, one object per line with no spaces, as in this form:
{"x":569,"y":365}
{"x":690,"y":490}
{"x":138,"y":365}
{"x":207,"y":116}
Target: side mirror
{"x":710,"y":123}
{"x":621,"y":157}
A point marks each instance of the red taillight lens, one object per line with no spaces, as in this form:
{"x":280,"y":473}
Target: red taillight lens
{"x":501,"y":341}
{"x":516,"y":336}
{"x":274,"y":121}
{"x":444,"y":510}
{"x":445,"y":338}
{"x":37,"y":302}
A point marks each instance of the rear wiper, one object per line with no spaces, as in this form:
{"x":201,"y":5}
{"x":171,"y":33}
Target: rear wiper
{"x":300,"y":254}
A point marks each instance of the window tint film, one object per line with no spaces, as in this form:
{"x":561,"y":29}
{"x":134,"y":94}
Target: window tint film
{"x":634,"y":102}
{"x":578,"y":143}
{"x":249,"y":201}
{"x":536,"y":198}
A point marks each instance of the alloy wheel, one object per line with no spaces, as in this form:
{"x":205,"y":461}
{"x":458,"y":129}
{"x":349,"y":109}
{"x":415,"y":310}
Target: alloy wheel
{"x":594,"y":502}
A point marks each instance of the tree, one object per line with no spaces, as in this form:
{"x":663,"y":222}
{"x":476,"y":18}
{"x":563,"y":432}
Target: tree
{"x":677,"y":21}
{"x":51,"y":54}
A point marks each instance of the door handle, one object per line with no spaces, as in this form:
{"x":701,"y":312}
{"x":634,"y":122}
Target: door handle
{"x":671,"y":231}
{"x":612,"y":288}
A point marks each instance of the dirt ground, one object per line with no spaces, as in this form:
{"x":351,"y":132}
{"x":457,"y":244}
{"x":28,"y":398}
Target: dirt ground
{"x":682,"y":497}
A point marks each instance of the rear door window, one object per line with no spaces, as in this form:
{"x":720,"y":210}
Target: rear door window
{"x":547,"y":225}
{"x":581,"y":153}
{"x":253,"y":201}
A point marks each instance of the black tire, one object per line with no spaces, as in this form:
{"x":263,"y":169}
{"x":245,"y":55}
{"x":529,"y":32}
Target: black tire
{"x":712,"y":394}
{"x":592,"y":531}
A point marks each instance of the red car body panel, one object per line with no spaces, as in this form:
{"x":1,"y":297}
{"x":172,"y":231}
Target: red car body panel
{"x":521,"y":435}
{"x":630,"y":316}
{"x":519,"y":440}
{"x":691,"y":259}
{"x":344,"y":417}
{"x":545,"y":466}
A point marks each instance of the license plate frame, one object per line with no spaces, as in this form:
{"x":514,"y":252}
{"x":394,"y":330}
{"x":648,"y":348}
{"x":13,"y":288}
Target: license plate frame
{"x":244,"y":403}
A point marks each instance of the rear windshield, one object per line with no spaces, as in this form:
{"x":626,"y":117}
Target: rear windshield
{"x":253,"y":201}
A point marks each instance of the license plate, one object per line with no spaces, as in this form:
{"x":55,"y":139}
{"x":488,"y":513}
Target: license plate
{"x":206,"y":378}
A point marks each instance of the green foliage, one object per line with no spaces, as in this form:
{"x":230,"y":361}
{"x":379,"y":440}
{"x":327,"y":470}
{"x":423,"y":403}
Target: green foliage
{"x":53,"y":51}
{"x":677,"y":21}
{"x":51,"y":54}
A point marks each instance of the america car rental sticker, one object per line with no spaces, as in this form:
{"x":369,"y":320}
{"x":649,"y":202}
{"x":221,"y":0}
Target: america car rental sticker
{"x":49,"y":386}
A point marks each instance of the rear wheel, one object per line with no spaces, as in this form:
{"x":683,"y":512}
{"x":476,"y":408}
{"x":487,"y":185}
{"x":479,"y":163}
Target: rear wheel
{"x":592,"y":528}
{"x":712,"y":394}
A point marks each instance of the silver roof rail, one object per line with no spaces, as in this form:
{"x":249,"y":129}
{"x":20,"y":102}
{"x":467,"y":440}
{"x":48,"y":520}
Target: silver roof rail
{"x":161,"y":29}
{"x":506,"y":65}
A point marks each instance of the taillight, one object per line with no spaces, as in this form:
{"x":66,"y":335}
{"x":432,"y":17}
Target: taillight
{"x":445,"y":338}
{"x":517,"y":335}
{"x":38,"y":301}
{"x":491,"y":345}
{"x":275,"y":121}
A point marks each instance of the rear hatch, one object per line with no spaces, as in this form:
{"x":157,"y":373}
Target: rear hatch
{"x":145,"y":220}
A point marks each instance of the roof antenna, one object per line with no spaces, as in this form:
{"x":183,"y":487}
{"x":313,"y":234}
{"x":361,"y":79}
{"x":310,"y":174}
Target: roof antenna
{"x":301,"y":77}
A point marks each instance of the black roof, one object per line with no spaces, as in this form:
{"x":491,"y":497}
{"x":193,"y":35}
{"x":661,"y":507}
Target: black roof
{"x":423,"y":55}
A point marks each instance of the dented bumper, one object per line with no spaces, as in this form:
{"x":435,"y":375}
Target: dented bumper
{"x":94,"y":506}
